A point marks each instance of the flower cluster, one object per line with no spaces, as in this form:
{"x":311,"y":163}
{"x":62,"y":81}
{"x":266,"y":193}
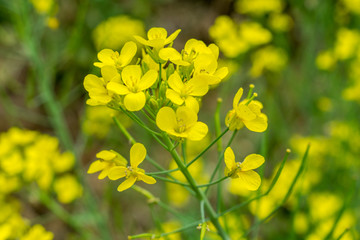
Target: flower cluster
{"x":28,"y":156}
{"x":235,"y":39}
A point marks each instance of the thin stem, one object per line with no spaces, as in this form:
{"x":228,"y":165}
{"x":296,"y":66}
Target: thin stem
{"x":212,"y":183}
{"x":172,"y":181}
{"x":199,"y":193}
{"x":123,"y":130}
{"x":207,"y":148}
{"x":183,"y":150}
{"x":220,"y":160}
{"x":147,"y":116}
{"x":163,"y":172}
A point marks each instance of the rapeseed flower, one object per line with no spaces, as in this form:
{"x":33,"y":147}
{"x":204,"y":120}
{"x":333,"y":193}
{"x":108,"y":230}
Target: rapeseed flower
{"x":113,"y":58}
{"x":132,"y":173}
{"x":115,"y":31}
{"x":181,"y":93}
{"x":107,"y":160}
{"x":244,"y":171}
{"x":133,"y":87}
{"x":97,"y":87}
{"x":246,"y":112}
{"x":67,"y":188}
{"x":157,"y":38}
{"x":182,"y":124}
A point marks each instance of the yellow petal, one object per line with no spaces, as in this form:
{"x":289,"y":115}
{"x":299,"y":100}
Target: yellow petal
{"x":141,"y":40}
{"x":145,"y":178}
{"x":252,"y":161}
{"x":250,"y":180}
{"x":169,"y":54}
{"x":229,"y":159}
{"x":148,"y":79}
{"x":106,"y":155}
{"x":186,"y":116}
{"x":192,"y":103}
{"x":215,"y":50}
{"x":135,"y":101}
{"x":137,"y":155}
{"x":105,"y":56}
{"x":105,"y":172}
{"x":172,"y":37}
{"x":237,"y":98}
{"x":110,"y":73}
{"x":198,"y":131}
{"x":222,"y":72}
{"x":127,"y":53}
{"x":92,"y":82}
{"x":97,"y":166}
{"x":259,"y":124}
{"x":157,"y":33}
{"x":131,"y":75}
{"x":117,"y":88}
{"x":174,"y":97}
{"x":117,"y":172}
{"x":197,"y":86}
{"x":175,"y":82}
{"x":127,"y":183}
{"x":245,"y":113}
{"x":166,"y":119}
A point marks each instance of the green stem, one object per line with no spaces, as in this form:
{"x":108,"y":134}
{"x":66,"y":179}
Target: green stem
{"x":207,"y":148}
{"x":220,"y":160}
{"x":163,"y":172}
{"x":171,"y":181}
{"x":123,"y":130}
{"x":199,"y":193}
{"x":212,"y":183}
{"x":183,"y":150}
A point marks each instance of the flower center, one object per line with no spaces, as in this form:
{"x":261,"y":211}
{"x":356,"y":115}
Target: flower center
{"x":181,"y":126}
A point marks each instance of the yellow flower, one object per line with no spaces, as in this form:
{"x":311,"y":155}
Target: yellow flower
{"x":248,"y":113}
{"x":132,"y":173}
{"x":97,"y":87}
{"x":205,"y":66}
{"x":171,"y":54}
{"x":107,"y":160}
{"x":268,"y":58}
{"x":109,"y":57}
{"x":181,"y":124}
{"x":37,"y":232}
{"x":115,"y":31}
{"x":259,"y":7}
{"x":185,"y":92}
{"x":157,"y":38}
{"x":135,"y":84}
{"x":244,"y":171}
{"x":67,"y":188}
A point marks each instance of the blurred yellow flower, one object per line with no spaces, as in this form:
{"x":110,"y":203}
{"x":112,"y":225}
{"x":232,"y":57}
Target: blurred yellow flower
{"x":268,"y":58}
{"x":181,"y":124}
{"x":67,"y":188}
{"x":243,"y":171}
{"x":132,"y":173}
{"x":326,"y":60}
{"x":37,"y":232}
{"x":259,"y":7}
{"x":115,"y":31}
